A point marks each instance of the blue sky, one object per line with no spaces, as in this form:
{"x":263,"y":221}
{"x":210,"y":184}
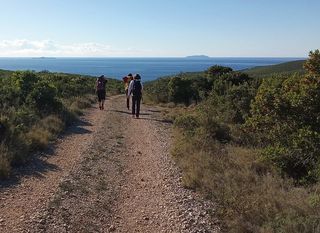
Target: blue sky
{"x":165,"y":28}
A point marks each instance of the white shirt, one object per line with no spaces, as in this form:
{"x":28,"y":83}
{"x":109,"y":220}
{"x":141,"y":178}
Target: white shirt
{"x":131,"y":87}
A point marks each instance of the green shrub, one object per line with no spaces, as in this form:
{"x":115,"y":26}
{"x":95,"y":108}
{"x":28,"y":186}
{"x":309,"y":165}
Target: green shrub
{"x":188,"y":123}
{"x":285,"y":114}
{"x":35,"y":107}
{"x":180,"y":90}
{"x":217,"y":70}
{"x":272,"y":185}
{"x":251,"y":197}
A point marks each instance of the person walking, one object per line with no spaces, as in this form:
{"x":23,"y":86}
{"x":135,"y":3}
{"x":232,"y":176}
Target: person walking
{"x":127,"y":79}
{"x":101,"y":91}
{"x":136,"y":88}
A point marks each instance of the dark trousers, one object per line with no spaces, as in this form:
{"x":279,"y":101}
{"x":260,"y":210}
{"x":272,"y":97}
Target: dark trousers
{"x":136,"y":105}
{"x":128,"y":104}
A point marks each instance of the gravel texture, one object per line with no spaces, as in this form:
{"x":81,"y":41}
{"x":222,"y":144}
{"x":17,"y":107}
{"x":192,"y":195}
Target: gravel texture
{"x":108,"y":173}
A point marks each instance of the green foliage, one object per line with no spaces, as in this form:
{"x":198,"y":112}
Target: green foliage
{"x":184,"y":88}
{"x":203,"y":125}
{"x":43,"y":97}
{"x":114,"y":87}
{"x":35,"y":107}
{"x":180,"y":90}
{"x":157,"y":91}
{"x":217,"y":70}
{"x":231,"y":97}
{"x":188,"y":123}
{"x":253,"y":146}
{"x":287,"y":68}
{"x":285,"y":118}
{"x":312,"y":65}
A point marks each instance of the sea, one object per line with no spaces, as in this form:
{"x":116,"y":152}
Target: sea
{"x":148,"y":68}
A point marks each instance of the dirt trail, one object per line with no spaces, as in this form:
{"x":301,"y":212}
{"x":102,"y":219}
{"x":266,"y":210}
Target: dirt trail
{"x":114,"y":175}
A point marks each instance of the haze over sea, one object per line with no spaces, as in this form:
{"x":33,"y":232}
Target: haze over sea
{"x":148,"y":68}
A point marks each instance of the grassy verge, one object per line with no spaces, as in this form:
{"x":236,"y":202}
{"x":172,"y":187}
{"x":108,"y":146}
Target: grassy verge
{"x":36,"y":107}
{"x":251,"y":195}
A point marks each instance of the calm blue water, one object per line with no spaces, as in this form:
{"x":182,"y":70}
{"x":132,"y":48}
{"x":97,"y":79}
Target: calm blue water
{"x":148,"y":68}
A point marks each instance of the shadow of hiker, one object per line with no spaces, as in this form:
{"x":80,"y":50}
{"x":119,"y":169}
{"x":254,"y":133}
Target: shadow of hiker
{"x":77,"y":128}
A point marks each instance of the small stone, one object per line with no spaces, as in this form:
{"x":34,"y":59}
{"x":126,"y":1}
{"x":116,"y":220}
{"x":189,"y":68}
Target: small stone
{"x":112,"y":228}
{"x":41,"y":221}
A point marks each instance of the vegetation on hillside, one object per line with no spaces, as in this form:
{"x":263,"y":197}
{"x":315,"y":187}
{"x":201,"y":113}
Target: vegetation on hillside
{"x":36,"y":107}
{"x":286,"y":68}
{"x":251,"y":144}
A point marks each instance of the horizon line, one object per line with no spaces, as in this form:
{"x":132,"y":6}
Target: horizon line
{"x":189,"y":57}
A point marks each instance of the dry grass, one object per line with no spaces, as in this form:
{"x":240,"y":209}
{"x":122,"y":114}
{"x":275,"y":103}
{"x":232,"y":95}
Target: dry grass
{"x":251,"y":196}
{"x":77,"y":104}
{"x":43,"y":132}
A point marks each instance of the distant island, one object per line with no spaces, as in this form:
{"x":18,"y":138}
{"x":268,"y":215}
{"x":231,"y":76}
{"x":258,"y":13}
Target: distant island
{"x":198,"y":56}
{"x":43,"y":58}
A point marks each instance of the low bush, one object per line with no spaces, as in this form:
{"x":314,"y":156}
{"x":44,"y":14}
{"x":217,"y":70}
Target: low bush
{"x":253,"y":148}
{"x":35,"y":107}
{"x":251,"y":196}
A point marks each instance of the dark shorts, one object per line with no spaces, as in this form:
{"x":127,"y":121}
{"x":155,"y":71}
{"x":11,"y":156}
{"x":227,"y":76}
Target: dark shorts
{"x":101,"y":95}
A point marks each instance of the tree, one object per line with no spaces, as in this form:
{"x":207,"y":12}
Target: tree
{"x":217,"y":70}
{"x":312,"y":65}
{"x":180,"y":90}
{"x":285,"y":117}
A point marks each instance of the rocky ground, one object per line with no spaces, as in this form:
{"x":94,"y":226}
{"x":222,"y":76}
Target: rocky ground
{"x":108,"y":173}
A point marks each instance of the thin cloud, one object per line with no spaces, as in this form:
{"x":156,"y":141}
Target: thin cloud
{"x":30,"y":48}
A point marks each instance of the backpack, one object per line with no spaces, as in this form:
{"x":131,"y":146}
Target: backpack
{"x":101,"y":84}
{"x":137,"y":87}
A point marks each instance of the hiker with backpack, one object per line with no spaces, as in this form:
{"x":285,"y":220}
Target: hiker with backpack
{"x":127,"y":79}
{"x":101,"y":91}
{"x":135,"y":88}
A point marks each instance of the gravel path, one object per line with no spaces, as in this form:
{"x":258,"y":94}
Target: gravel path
{"x":114,"y":175}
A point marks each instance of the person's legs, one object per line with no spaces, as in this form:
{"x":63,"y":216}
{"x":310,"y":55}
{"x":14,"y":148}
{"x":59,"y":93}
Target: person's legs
{"x":138,"y":106}
{"x":102,"y":96}
{"x":128,"y":104}
{"x":133,"y":105}
{"x":99,"y":99}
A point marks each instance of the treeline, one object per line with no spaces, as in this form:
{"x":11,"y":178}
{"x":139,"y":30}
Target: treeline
{"x":252,"y":145}
{"x":36,"y":107}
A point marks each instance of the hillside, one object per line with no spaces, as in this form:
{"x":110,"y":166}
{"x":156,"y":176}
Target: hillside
{"x":283,"y":68}
{"x":5,"y":73}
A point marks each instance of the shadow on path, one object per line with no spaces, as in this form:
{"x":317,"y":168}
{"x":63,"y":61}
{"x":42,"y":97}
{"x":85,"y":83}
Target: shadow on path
{"x":129,"y":112}
{"x":37,"y":166}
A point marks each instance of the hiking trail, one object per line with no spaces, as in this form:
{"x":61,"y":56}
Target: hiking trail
{"x":108,"y":172}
